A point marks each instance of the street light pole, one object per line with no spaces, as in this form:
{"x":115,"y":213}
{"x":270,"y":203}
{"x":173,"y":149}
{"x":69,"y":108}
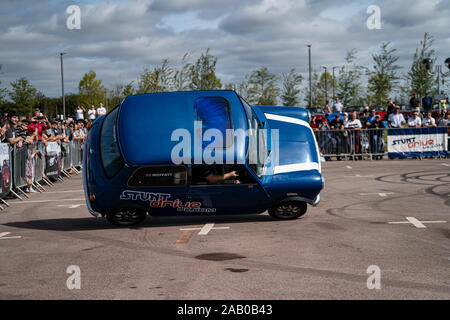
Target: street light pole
{"x":326,"y":85}
{"x":62,"y":87}
{"x":334,"y":86}
{"x":310,"y":76}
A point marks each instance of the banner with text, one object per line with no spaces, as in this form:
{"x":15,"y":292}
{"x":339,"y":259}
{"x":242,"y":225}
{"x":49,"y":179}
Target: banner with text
{"x":417,"y":142}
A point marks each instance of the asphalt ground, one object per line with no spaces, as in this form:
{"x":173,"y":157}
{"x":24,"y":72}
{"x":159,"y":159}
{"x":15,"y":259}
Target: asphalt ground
{"x":323,"y":255}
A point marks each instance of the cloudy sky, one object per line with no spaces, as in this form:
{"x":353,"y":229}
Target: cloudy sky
{"x":119,"y":37}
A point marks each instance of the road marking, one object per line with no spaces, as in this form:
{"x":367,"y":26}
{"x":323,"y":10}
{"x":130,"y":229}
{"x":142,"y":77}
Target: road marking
{"x":71,"y":206}
{"x":205,"y":229}
{"x":3,"y":234}
{"x":40,"y":201}
{"x":360,"y":176}
{"x":416,"y":223}
{"x":348,"y":167}
{"x":381,"y":194}
{"x":184,"y":238}
{"x":446,"y":164}
{"x":66,"y":191}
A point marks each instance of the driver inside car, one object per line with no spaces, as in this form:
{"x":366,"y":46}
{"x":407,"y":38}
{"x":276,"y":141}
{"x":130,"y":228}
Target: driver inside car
{"x":214,"y":174}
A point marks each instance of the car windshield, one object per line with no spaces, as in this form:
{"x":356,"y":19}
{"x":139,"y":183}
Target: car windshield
{"x":257,"y":147}
{"x":111,"y":158}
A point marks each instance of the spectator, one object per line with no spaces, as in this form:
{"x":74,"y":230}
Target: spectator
{"x":337,"y":124}
{"x":337,"y":106}
{"x":390,"y":108}
{"x":313,"y":124}
{"x":79,"y":133}
{"x":414,"y":121}
{"x":445,"y":121}
{"x":396,"y":119}
{"x":429,"y":121}
{"x":364,"y":116}
{"x":376,"y":135}
{"x":345,"y":119}
{"x":10,"y":134}
{"x":79,"y":113}
{"x":327,"y":142}
{"x":101,"y":110}
{"x":371,"y":117}
{"x":327,"y":108}
{"x":92,"y":113}
{"x":54,"y":134}
{"x":354,"y":122}
{"x":414,"y":102}
{"x":427,"y":103}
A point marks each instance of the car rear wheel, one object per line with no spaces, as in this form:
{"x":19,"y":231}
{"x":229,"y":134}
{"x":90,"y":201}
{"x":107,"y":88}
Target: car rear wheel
{"x":288,"y":210}
{"x":126,"y":217}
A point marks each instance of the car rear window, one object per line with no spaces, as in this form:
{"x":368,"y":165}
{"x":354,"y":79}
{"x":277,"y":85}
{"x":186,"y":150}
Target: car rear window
{"x":159,"y":176}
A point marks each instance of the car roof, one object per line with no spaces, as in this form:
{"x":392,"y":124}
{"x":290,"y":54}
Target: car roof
{"x":147,"y":122}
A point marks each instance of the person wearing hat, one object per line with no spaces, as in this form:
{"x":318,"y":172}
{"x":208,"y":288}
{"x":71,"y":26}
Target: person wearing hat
{"x":377,"y":129}
{"x":396,"y":119}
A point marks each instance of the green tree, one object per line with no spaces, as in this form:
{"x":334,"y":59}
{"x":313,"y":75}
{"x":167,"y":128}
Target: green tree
{"x":383,"y":75}
{"x":323,"y":88}
{"x":202,"y":74}
{"x":91,"y":91}
{"x":291,"y":88}
{"x":349,"y":87}
{"x":263,"y":89}
{"x":156,"y":80}
{"x":128,"y":89}
{"x":23,"y":94}
{"x":180,"y":80}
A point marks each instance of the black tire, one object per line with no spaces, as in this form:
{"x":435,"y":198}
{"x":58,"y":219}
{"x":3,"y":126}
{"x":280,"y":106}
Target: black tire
{"x":126,"y":217}
{"x":288,"y":210}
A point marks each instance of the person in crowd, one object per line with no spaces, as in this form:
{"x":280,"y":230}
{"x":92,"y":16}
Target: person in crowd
{"x":313,"y":124}
{"x":79,"y":113}
{"x":345,"y":119}
{"x":53,"y":133}
{"x":327,"y":108}
{"x":414,"y":121}
{"x":364,"y":116}
{"x":10,"y":134}
{"x":337,"y":124}
{"x":327,"y":142}
{"x":92,"y":113}
{"x":376,"y":136}
{"x":337,"y":106}
{"x":4,"y":126}
{"x":414,"y":102}
{"x":390,"y":108}
{"x":396,"y":119}
{"x":445,"y":121}
{"x":371,"y":117}
{"x":427,"y":103}
{"x":80,"y":131}
{"x":354,"y":124}
{"x":429,"y":121}
{"x":101,"y":110}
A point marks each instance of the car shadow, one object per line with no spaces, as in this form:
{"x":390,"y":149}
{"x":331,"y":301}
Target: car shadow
{"x":86,"y":224}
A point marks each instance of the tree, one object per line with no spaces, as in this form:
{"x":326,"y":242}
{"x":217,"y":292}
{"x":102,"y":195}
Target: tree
{"x":323,"y":88}
{"x":23,"y":94}
{"x":202,"y":74}
{"x":263,"y":89}
{"x":291,"y":90}
{"x":156,"y":80}
{"x":349,"y":88}
{"x":383,"y":76}
{"x":91,"y":91}
{"x":128,"y":89}
{"x":419,"y":79}
{"x":180,"y":79}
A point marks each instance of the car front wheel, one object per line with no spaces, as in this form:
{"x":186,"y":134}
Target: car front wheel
{"x":126,"y":217}
{"x":288,"y":210}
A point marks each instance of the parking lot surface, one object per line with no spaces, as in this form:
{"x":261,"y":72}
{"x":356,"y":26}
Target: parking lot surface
{"x":390,"y":215}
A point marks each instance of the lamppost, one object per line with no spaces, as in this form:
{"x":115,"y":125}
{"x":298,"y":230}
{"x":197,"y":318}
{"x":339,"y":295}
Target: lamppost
{"x":62,"y":87}
{"x":334,"y":85}
{"x":310,"y":76}
{"x":326,"y":85}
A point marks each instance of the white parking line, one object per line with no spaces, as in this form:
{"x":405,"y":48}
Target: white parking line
{"x":71,"y":206}
{"x":3,"y":234}
{"x":381,"y":194}
{"x":205,"y":229}
{"x":446,"y":164}
{"x":416,"y":223}
{"x":49,"y":200}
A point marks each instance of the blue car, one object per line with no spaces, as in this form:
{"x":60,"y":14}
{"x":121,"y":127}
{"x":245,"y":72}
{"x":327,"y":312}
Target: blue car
{"x":200,"y":153}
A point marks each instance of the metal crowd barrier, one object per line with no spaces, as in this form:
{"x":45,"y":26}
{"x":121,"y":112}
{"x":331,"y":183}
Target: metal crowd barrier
{"x":351,"y":144}
{"x":25,"y":160}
